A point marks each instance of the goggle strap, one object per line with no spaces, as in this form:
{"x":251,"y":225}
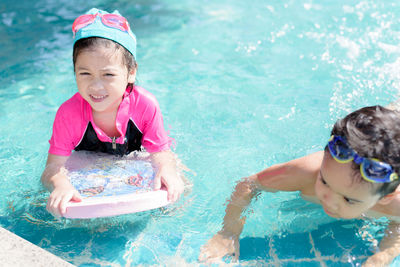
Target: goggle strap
{"x":358,"y":159}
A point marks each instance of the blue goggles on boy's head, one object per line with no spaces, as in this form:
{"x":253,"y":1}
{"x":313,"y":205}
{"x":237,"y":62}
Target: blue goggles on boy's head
{"x":372,"y":170}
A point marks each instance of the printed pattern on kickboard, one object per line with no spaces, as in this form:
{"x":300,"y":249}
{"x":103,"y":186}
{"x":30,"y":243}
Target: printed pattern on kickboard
{"x":113,"y":178}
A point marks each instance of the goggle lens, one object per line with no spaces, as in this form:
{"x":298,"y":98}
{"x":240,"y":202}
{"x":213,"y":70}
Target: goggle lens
{"x":376,"y":170}
{"x":340,"y":150}
{"x":115,"y":21}
{"x":82,"y":21}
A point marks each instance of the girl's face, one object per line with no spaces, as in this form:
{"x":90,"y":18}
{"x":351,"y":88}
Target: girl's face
{"x":340,"y":194}
{"x":102,"y":78}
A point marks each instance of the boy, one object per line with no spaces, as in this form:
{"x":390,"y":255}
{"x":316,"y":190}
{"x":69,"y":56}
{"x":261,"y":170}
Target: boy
{"x":356,"y":174}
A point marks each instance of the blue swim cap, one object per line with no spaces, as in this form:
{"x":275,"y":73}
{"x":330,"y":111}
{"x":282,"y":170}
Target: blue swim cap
{"x":99,"y":29}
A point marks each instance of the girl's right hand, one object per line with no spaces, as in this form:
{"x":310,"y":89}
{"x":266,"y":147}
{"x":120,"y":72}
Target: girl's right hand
{"x":60,"y":196}
{"x":219,"y":246}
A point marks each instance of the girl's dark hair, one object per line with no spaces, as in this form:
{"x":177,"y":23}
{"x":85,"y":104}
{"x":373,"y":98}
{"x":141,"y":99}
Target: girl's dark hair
{"x":93,"y":42}
{"x":373,"y":132}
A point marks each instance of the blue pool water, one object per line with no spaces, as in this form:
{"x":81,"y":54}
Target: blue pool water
{"x":242,"y":85}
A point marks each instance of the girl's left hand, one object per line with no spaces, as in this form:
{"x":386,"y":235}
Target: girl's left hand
{"x":167,"y":174}
{"x":169,"y":177}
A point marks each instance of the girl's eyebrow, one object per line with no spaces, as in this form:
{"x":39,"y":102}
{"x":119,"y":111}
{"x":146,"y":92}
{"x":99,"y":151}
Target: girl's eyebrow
{"x":109,"y":69}
{"x":103,"y":69}
{"x":352,"y":199}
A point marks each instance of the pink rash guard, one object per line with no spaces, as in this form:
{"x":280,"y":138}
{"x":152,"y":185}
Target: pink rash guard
{"x":139,"y":122}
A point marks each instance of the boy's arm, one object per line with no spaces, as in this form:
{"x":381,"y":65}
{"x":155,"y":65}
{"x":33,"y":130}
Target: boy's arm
{"x":389,"y":248}
{"x":55,"y":180}
{"x":167,"y":174}
{"x":226,"y":241}
{"x":295,"y":175}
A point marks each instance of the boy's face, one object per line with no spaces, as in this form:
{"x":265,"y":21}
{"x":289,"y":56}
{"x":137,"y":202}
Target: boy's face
{"x":342,"y":195}
{"x":102,"y":78}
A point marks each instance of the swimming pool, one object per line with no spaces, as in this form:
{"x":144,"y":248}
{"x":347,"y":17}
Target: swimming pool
{"x":242,"y":85}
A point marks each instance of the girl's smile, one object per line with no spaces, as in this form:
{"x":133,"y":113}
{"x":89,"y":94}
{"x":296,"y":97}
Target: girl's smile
{"x":98,"y":99}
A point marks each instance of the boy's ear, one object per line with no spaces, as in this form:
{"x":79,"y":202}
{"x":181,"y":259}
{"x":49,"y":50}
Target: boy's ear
{"x":387,"y":199}
{"x":132,"y":76}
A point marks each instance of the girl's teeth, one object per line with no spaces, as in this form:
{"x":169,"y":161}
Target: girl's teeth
{"x":98,"y":97}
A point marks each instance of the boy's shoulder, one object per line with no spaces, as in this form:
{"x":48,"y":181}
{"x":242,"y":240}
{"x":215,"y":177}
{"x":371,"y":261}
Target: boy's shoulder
{"x":394,"y":205}
{"x":391,"y":210}
{"x":296,"y":175}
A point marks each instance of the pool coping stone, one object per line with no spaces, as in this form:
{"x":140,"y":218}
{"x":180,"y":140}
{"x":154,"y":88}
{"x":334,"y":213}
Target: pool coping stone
{"x":16,"y":251}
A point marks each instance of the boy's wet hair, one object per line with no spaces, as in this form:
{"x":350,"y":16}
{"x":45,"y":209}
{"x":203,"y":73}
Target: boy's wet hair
{"x":373,"y":132}
{"x":93,"y":42}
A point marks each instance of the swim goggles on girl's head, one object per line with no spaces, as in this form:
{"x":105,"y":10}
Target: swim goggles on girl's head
{"x":372,"y":170}
{"x":110,"y":20}
{"x":112,"y":26}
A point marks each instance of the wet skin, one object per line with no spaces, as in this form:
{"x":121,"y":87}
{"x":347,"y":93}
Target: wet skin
{"x":340,"y":193}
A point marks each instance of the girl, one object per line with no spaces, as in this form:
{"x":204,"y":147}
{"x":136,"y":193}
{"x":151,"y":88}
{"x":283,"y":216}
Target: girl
{"x":109,"y":113}
{"x":356,"y":174}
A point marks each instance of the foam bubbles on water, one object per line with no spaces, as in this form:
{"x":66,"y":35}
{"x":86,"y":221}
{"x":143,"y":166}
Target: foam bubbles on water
{"x":352,"y":47}
{"x":281,"y":32}
{"x":8,"y":18}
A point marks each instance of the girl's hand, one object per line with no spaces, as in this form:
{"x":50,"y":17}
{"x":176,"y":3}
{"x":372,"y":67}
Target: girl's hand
{"x":54,"y":178}
{"x":168,"y":176}
{"x":219,"y":246}
{"x":62,"y":193}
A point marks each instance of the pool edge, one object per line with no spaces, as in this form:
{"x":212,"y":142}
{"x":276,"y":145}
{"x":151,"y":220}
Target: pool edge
{"x":16,"y":251}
